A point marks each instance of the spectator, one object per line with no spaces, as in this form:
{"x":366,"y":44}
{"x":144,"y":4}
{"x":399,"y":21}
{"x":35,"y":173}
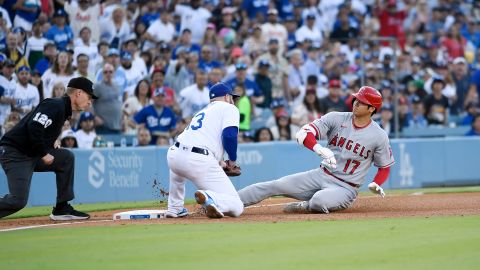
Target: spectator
{"x":251,"y":88}
{"x":180,"y":72}
{"x":462,"y":79}
{"x":134,"y":104}
{"x":193,"y":17}
{"x":138,"y":63}
{"x":35,"y":44}
{"x":345,"y":31}
{"x":254,"y":9}
{"x":143,"y":136}
{"x":263,"y":134}
{"x":454,"y":43}
{"x":84,"y":14}
{"x":256,"y":43}
{"x":244,"y":107}
{"x":36,"y":80}
{"x":68,"y":139}
{"x":86,"y":133}
{"x":391,"y":22}
{"x":297,"y":77}
{"x":61,"y":70}
{"x":26,"y":95}
{"x":211,"y":39}
{"x":12,"y":52}
{"x":278,"y":69}
{"x":274,"y":30}
{"x":196,"y":96}
{"x":58,"y":90}
{"x":108,"y":106}
{"x":185,"y":44}
{"x":7,"y":88}
{"x":132,"y":75}
{"x":385,"y":120}
{"x":157,"y":118}
{"x":309,"y":30}
{"x":436,"y":104}
{"x":283,"y":130}
{"x":206,"y":61}
{"x":292,"y":26}
{"x":60,"y":32}
{"x":475,"y":131}
{"x":161,"y":30}
{"x":115,"y":30}
{"x":158,"y":79}
{"x":264,"y":83}
{"x":82,"y":67}
{"x":334,"y":100}
{"x":472,"y":109}
{"x":418,"y":119}
{"x":49,"y":56}
{"x":85,"y":45}
{"x":5,"y":17}
{"x":214,"y":76}
{"x":113,"y":58}
{"x":26,"y":13}
{"x":309,"y":110}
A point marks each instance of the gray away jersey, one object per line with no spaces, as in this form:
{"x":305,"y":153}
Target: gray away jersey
{"x":355,"y":148}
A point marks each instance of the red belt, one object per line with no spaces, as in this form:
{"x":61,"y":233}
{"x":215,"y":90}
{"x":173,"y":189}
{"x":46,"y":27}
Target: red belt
{"x":339,"y":179}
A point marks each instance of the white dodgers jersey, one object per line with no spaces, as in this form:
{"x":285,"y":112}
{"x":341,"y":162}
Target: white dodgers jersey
{"x":205,"y":129}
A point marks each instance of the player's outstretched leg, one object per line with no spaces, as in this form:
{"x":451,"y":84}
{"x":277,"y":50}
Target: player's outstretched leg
{"x":300,"y":186}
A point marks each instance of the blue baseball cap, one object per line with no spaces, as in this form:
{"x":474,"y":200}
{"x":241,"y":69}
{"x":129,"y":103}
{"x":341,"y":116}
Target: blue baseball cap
{"x":221,"y":89}
{"x":60,"y":13}
{"x":23,"y":68}
{"x":113,"y":51}
{"x":124,"y":55}
{"x":85,"y":116}
{"x":241,"y":66}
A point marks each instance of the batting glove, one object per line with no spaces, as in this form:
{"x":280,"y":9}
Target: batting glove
{"x":375,"y":188}
{"x":329,"y":160}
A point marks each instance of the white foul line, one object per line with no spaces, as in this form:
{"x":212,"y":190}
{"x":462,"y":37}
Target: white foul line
{"x":52,"y":225}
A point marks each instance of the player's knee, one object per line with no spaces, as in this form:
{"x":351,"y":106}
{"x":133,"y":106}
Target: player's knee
{"x":18,"y":203}
{"x":238,"y":208}
{"x":69,"y":157}
{"x":318,"y":205}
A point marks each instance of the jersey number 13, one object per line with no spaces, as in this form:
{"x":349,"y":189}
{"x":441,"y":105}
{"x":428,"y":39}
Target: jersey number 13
{"x":197,"y":121}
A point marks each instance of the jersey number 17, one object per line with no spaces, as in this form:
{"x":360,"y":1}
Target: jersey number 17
{"x":354,"y":167}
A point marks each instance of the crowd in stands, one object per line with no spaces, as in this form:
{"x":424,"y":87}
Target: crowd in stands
{"x":153,"y":62}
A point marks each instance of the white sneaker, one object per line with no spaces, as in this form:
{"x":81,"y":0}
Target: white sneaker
{"x":183,"y":213}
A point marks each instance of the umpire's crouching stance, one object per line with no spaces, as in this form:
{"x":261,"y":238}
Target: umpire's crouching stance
{"x":30,"y":146}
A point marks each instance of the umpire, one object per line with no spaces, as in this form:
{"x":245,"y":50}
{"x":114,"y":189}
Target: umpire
{"x":30,"y":146}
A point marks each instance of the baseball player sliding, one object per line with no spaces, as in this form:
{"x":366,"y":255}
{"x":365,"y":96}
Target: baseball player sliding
{"x":354,"y":142}
{"x":198,"y":154}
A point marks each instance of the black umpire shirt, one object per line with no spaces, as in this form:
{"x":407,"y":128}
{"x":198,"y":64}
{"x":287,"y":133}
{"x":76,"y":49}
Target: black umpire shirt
{"x":38,"y":130}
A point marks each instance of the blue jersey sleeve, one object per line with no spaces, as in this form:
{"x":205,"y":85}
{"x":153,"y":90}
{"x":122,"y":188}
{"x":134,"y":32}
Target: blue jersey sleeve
{"x":230,"y":143}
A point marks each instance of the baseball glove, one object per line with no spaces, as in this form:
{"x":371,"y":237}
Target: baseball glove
{"x":231,"y":168}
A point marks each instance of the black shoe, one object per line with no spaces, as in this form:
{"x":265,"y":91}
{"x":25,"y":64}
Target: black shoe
{"x":67,"y":213}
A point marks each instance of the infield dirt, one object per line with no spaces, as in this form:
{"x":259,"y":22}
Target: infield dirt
{"x":367,"y":207}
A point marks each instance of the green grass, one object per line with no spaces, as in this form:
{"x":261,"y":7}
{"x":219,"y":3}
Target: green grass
{"x":406,"y":243}
{"x":46,"y":210}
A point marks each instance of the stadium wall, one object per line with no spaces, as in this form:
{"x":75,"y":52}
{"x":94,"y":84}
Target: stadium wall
{"x":136,"y":174}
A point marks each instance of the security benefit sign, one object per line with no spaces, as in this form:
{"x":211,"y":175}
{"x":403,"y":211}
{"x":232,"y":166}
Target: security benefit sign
{"x":115,"y":169}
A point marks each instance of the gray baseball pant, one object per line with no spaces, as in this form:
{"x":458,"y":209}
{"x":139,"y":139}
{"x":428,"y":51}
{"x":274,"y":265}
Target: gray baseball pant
{"x":323,"y":192}
{"x":19,"y":169}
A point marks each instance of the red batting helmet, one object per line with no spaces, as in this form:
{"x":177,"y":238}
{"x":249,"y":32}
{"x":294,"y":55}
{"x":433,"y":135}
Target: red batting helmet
{"x":370,"y":96}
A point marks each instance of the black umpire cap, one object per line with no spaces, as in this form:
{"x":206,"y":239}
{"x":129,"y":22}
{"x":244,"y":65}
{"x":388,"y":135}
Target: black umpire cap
{"x":83,"y":84}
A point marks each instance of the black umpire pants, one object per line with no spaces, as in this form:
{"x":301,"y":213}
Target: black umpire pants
{"x":19,"y":169}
